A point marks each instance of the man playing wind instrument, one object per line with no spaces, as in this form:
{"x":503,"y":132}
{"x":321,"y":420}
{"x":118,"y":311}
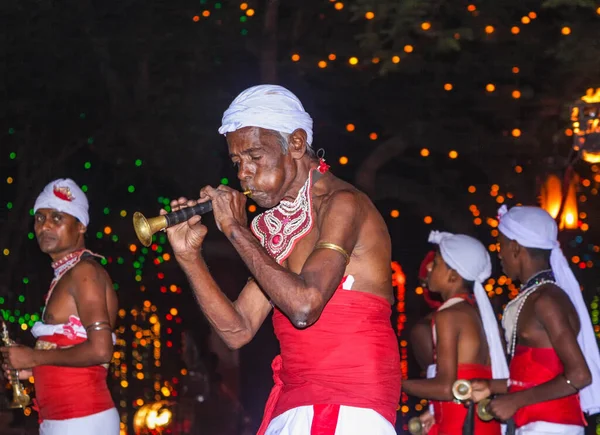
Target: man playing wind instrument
{"x":320,"y":257}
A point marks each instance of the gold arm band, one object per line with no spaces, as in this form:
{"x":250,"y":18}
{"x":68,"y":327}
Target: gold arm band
{"x":97,"y":326}
{"x":333,"y":246}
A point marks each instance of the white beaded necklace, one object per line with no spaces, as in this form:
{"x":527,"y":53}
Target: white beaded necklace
{"x":522,"y":298}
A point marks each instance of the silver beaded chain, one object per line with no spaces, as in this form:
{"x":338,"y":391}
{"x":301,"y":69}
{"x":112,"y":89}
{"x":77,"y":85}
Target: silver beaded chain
{"x":523,"y":298}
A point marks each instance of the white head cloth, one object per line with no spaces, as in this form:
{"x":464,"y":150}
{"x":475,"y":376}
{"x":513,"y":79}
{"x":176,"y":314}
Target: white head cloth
{"x":533,"y":227}
{"x":471,"y":260}
{"x":267,"y":106}
{"x":65,"y":196}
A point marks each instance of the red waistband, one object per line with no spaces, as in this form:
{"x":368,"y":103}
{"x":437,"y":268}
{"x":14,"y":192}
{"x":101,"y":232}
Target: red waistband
{"x":534,"y":366}
{"x":348,"y":357}
{"x":450,"y":417}
{"x":69,"y":392}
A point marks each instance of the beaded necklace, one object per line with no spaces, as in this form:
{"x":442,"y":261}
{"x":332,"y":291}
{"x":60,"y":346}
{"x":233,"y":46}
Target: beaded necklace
{"x":535,"y":282}
{"x":280,"y":228}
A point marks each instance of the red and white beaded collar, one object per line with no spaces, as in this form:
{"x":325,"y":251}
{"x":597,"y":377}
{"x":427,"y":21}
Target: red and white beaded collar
{"x":280,"y":228}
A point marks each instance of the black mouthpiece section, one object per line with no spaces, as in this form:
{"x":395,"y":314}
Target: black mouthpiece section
{"x":184,"y":214}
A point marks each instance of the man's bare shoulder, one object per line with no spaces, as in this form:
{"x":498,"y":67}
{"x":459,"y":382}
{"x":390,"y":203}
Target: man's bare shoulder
{"x":450,"y":322}
{"x":456,"y":316}
{"x":88,"y":269}
{"x":550,"y":294}
{"x":550,"y":298}
{"x":344,"y":197}
{"x":453,"y":315}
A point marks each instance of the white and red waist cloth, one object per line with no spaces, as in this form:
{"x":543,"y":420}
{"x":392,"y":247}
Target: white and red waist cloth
{"x":340,"y":376}
{"x":330,"y":419}
{"x":71,"y":398}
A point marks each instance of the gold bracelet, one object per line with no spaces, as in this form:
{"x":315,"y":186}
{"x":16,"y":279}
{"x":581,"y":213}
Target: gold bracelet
{"x":327,"y":245}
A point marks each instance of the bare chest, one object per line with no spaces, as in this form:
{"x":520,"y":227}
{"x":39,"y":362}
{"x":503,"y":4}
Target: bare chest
{"x":302,"y":251}
{"x":61,"y":304}
{"x":528,"y":328}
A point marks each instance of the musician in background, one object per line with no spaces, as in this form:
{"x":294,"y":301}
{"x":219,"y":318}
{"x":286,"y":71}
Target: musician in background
{"x":320,"y":257}
{"x":555,"y":363}
{"x":466,"y":338}
{"x":74,"y":341}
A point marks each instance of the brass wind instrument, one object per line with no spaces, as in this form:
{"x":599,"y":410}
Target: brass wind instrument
{"x":414,"y":426}
{"x":462,"y":391}
{"x":145,"y":228}
{"x":20,"y":398}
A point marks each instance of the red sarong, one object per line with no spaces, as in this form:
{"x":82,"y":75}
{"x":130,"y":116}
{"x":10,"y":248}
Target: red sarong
{"x":450,"y":416}
{"x":348,"y":357}
{"x":70,"y":392}
{"x":533,"y":366}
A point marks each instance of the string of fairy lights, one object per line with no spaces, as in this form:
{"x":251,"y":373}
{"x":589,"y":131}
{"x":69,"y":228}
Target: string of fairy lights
{"x":145,"y":331}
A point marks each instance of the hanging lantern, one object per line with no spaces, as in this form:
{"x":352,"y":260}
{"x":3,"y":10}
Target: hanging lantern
{"x":153,"y":418}
{"x":585,"y":116}
{"x":551,"y":199}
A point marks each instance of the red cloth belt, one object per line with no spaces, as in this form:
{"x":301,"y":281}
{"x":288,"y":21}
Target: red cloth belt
{"x":348,"y":357}
{"x":450,"y":416}
{"x":70,"y":392}
{"x":534,"y":366}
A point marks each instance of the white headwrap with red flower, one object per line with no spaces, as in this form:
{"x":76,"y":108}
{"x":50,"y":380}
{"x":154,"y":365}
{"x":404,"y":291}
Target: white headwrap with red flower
{"x":65,"y":196}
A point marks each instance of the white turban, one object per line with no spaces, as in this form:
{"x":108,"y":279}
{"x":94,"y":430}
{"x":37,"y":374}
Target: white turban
{"x":533,"y":227}
{"x":65,"y":196}
{"x":471,"y":260}
{"x":267,"y":106}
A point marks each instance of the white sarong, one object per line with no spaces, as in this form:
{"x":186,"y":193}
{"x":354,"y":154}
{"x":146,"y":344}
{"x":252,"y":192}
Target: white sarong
{"x":350,"y":421}
{"x":545,"y":428}
{"x":101,"y":423}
